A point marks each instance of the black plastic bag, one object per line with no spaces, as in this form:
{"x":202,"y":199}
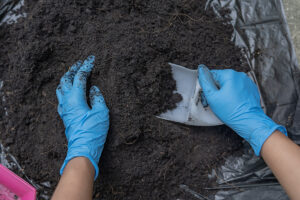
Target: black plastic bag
{"x":260,"y":28}
{"x":6,"y":6}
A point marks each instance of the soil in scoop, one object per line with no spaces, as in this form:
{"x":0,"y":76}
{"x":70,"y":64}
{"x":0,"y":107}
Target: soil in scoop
{"x":133,"y":40}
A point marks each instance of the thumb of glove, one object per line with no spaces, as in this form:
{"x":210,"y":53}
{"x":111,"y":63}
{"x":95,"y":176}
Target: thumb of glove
{"x":206,"y":81}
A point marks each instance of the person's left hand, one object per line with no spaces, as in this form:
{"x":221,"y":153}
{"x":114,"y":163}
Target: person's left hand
{"x":86,"y":128}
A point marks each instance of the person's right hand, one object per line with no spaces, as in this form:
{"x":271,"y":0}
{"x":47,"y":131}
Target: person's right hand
{"x":236,"y":101}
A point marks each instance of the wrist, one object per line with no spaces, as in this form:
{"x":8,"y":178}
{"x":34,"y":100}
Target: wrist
{"x":263,"y":129}
{"x":275,"y":139}
{"x":261,"y":135}
{"x":81,"y":152}
{"x":78,"y":164}
{"x":256,"y":127}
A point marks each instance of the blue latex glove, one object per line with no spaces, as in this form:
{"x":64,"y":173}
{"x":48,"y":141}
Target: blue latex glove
{"x":86,"y":128}
{"x":235,"y":100}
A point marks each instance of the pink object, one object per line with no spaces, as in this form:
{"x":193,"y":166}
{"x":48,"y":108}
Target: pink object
{"x":15,"y":185}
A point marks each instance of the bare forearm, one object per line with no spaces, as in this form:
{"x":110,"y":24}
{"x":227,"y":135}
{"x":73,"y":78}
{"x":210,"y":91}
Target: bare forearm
{"x":77,"y":180}
{"x":283,"y":157}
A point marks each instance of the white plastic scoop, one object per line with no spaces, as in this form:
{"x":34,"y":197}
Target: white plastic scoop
{"x":190,"y":110}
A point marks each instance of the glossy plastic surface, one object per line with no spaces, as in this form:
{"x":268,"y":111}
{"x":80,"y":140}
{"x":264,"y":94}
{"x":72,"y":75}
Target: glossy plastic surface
{"x":16,"y":185}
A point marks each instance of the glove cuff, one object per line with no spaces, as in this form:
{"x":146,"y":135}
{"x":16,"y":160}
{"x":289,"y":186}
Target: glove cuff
{"x":260,"y":135}
{"x":68,"y":158}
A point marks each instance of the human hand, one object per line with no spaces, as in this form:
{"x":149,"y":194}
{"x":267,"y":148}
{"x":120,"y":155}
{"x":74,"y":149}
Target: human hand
{"x":235,"y":100}
{"x":86,"y":128}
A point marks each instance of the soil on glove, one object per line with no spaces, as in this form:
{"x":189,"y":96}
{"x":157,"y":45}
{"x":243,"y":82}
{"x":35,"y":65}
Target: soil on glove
{"x":133,"y":41}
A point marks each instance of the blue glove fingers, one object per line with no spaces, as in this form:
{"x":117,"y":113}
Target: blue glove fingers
{"x":206,"y":81}
{"x":83,"y":73}
{"x":66,"y":81}
{"x":97,"y":99}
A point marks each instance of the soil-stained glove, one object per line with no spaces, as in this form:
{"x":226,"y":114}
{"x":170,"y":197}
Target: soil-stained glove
{"x":235,"y":100}
{"x":86,"y":128}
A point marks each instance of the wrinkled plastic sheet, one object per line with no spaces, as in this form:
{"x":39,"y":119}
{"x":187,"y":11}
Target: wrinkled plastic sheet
{"x":6,"y":6}
{"x":9,"y":11}
{"x":261,"y":30}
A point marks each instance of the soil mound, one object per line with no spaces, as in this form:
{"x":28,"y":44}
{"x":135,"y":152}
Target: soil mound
{"x":132,"y":40}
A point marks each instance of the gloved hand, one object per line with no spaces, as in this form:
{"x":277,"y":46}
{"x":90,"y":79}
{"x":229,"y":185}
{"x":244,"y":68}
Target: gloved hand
{"x":86,"y":128}
{"x":235,"y":100}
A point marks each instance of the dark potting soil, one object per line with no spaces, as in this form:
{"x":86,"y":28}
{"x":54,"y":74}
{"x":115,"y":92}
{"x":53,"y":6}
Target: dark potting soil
{"x":133,"y":40}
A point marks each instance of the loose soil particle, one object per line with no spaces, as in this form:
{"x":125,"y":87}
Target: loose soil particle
{"x":133,"y":40}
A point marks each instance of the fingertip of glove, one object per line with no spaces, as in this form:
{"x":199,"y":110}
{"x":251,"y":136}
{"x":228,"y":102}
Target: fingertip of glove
{"x":94,"y":89}
{"x":202,"y":70}
{"x":96,"y":98}
{"x":88,"y":64}
{"x":90,"y":59}
{"x":202,"y":73}
{"x":76,"y":65}
{"x":202,"y":66}
{"x":95,"y":92}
